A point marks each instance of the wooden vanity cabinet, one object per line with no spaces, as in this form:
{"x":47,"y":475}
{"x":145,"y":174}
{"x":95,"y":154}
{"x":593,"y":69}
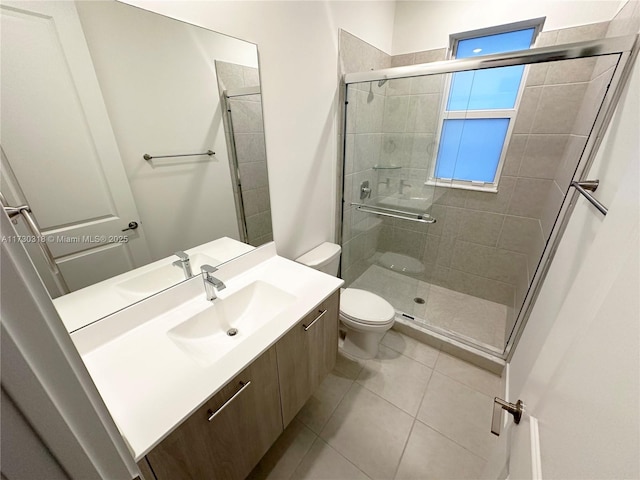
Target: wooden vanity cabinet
{"x":247,"y":422}
{"x":251,"y":416}
{"x":306,"y":354}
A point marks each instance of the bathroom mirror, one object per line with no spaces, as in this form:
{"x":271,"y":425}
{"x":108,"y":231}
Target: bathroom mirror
{"x":113,"y":135}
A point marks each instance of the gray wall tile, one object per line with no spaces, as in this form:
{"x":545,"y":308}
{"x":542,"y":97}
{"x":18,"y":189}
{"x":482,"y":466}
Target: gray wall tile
{"x":395,"y":150}
{"x":528,"y":197}
{"x":423,"y":151}
{"x":431,"y":249}
{"x":427,"y":84}
{"x":472,"y":257}
{"x":558,"y":108}
{"x":250,"y":147}
{"x":400,"y":86}
{"x":515,"y":150}
{"x":395,"y":114}
{"x":366,"y":151}
{"x":527,"y":109}
{"x":246,"y":116}
{"x":480,"y":227}
{"x":590,"y":106}
{"x":536,"y":74}
{"x":428,"y":56}
{"x":369,"y":111}
{"x":508,"y":267}
{"x":482,"y":287}
{"x":402,"y":60}
{"x":582,"y":33}
{"x":520,"y":234}
{"x":357,"y":55}
{"x":547,"y":39}
{"x":250,"y":202}
{"x":569,"y":162}
{"x":230,"y":75}
{"x":423,"y":113}
{"x":264,"y":198}
{"x":350,"y":148}
{"x":570,"y":71}
{"x":551,"y":209}
{"x":352,"y":108}
{"x":492,"y":202}
{"x":542,"y":155}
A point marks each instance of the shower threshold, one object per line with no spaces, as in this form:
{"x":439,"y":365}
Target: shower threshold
{"x":476,"y":323}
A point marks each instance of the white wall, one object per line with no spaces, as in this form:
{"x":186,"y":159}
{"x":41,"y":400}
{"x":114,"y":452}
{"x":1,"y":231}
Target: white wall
{"x":298,"y":50}
{"x":158,"y":80}
{"x":424,"y":25}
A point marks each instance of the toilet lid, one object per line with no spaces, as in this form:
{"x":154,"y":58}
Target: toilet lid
{"x":365,"y":307}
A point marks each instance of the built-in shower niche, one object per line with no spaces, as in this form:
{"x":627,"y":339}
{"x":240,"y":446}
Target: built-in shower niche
{"x":468,"y":273}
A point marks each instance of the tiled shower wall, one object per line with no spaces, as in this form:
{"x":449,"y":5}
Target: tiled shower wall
{"x":484,"y":244}
{"x":248,"y":129}
{"x":359,"y":234}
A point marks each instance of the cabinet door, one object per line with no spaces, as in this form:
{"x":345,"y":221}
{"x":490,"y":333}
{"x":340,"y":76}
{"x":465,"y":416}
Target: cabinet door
{"x":247,"y":421}
{"x":306,"y":354}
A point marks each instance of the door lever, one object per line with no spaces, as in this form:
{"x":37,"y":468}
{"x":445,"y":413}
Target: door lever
{"x":515,"y":409}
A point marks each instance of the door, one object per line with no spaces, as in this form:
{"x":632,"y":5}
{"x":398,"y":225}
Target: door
{"x":306,"y":355}
{"x":59,"y":152}
{"x":581,"y":391}
{"x":229,"y":434}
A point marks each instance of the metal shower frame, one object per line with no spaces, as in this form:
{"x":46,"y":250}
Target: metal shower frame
{"x":627,"y":49}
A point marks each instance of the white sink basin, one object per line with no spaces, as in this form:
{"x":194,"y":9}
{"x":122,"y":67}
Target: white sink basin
{"x":149,"y":283}
{"x":214,"y":331}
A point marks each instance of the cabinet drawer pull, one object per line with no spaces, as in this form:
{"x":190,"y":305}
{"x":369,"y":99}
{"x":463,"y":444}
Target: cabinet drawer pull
{"x":307,"y":327}
{"x":213,"y":414}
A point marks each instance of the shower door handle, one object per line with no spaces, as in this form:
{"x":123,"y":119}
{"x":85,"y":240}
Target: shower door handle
{"x":515,"y":409}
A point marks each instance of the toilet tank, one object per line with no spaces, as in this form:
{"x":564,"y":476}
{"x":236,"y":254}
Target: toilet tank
{"x":325,"y":257}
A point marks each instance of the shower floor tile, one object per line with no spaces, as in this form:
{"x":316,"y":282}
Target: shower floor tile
{"x":475,"y":318}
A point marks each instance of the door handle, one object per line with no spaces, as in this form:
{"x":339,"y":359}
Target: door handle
{"x":515,"y":409}
{"x":132,"y":226}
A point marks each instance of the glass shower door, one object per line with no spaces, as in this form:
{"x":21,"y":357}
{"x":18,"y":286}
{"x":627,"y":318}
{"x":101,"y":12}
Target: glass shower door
{"x":494,"y":180}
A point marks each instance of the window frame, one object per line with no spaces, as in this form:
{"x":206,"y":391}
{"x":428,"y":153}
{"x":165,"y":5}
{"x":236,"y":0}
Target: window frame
{"x":511,"y":114}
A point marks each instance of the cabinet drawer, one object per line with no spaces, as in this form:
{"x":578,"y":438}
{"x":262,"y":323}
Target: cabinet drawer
{"x":227,"y":436}
{"x":306,"y":354}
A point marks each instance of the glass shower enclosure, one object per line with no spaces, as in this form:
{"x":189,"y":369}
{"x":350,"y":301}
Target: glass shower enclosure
{"x":457,"y":181}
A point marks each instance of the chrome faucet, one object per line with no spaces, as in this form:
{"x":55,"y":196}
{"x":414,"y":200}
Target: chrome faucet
{"x":211,"y":283}
{"x":184,"y":263}
{"x":402,"y":185}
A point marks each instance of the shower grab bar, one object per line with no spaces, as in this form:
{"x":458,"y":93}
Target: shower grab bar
{"x":591,"y":185}
{"x":390,"y":212}
{"x":32,"y":225}
{"x":148,"y":157}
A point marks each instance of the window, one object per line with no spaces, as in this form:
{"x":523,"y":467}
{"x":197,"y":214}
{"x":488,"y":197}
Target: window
{"x":479,"y":108}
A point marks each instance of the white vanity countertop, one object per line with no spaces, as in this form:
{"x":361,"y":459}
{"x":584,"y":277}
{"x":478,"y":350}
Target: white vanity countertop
{"x":149,"y":384}
{"x":82,"y":307}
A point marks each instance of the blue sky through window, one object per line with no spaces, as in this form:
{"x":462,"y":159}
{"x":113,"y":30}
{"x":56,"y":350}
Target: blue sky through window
{"x":470,"y":149}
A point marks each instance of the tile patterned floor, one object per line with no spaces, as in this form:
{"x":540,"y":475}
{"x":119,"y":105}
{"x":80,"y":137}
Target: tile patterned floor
{"x":411,"y":413}
{"x":473,"y":317}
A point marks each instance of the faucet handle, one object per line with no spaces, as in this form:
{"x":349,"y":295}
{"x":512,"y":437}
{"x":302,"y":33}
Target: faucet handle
{"x":206,"y":269}
{"x":182,"y":255}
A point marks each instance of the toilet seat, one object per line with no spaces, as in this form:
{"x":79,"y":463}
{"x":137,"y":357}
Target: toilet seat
{"x":363,"y":307}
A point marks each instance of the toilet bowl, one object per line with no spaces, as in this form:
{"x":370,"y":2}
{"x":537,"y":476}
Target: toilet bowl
{"x":365,"y":317}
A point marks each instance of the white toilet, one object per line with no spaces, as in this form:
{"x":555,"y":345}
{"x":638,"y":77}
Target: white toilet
{"x":364,"y":316}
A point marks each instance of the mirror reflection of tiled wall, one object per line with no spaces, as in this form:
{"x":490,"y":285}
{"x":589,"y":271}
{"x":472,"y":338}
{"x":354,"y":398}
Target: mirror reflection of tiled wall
{"x":248,"y":130}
